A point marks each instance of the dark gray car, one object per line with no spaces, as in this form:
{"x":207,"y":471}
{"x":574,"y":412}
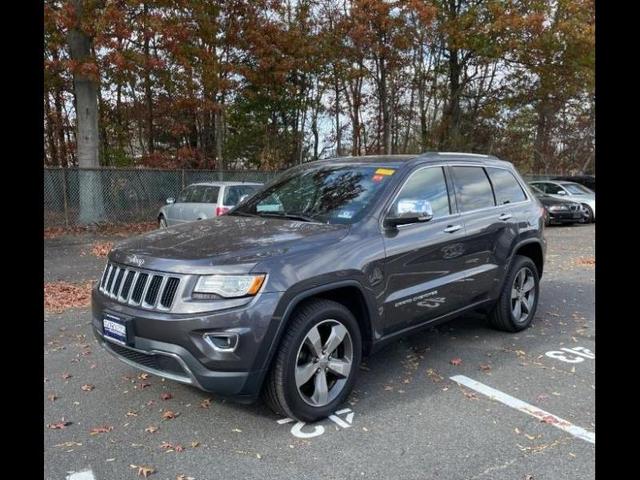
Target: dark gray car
{"x":285,"y":294}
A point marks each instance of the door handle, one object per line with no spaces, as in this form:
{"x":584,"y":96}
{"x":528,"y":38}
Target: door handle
{"x":452,"y":228}
{"x":505,"y":216}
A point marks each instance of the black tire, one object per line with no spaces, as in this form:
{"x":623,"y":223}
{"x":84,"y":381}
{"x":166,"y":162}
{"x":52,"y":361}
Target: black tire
{"x":501,"y":317}
{"x":280,"y":391}
{"x":589,"y":217}
{"x":162,"y":222}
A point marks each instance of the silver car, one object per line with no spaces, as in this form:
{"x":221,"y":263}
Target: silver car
{"x":204,"y":200}
{"x":571,"y":191}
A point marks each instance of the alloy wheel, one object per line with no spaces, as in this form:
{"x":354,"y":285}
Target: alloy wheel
{"x":523,"y":295}
{"x":323,"y":363}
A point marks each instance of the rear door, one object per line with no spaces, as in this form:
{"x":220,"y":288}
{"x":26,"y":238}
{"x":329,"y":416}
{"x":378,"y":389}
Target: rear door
{"x":491,"y":220}
{"x":423,"y":260}
{"x":205,"y":203}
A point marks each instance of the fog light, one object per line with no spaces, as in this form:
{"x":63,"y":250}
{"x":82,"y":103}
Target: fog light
{"x":222,"y":342}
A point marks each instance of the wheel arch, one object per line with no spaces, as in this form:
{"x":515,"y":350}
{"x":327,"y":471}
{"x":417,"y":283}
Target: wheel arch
{"x":533,"y":249}
{"x":349,"y":293}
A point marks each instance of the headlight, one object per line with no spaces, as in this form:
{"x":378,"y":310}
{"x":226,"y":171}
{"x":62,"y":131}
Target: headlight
{"x":230,"y":286}
{"x":558,"y":208}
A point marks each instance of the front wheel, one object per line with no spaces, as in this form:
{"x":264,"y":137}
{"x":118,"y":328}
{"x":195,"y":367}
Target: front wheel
{"x":162,"y":222}
{"x":316,"y":365}
{"x":518,"y":301}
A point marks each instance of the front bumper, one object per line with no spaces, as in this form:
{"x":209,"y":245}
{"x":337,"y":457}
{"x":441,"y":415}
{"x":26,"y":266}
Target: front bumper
{"x":173,"y":346}
{"x":565,"y":217}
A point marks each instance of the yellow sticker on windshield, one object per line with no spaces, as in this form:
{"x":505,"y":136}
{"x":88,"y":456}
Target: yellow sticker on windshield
{"x":385,"y":171}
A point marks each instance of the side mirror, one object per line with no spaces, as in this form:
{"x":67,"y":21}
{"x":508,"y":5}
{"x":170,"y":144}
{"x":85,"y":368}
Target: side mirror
{"x":410,"y":211}
{"x":561,"y":192}
{"x":171,"y":200}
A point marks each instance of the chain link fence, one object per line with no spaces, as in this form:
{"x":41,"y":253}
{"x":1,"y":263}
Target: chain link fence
{"x":119,"y":195}
{"x":108,"y":195}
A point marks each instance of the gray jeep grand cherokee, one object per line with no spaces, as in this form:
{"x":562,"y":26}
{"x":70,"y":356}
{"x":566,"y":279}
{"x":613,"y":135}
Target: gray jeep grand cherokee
{"x":285,"y":293}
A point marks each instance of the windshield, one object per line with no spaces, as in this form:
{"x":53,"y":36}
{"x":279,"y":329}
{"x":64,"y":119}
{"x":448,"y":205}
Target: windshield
{"x":327,"y":194}
{"x":576,"y":189}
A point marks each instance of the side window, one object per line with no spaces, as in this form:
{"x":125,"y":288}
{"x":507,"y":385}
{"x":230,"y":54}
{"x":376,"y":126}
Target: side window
{"x":184,"y":195}
{"x":210,"y":195}
{"x":473,"y":188}
{"x":505,"y":186}
{"x":426,"y":184}
{"x":553,"y":189}
{"x":195,"y":195}
{"x":540,"y":186}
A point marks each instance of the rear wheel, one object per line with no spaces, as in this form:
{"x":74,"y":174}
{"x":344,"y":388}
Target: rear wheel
{"x":316,"y":365}
{"x":518,"y":301}
{"x":587,"y":213}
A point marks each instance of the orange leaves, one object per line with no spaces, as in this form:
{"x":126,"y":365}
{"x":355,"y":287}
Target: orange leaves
{"x":101,"y":249}
{"x":60,"y":296}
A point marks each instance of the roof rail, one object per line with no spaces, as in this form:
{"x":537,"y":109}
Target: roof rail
{"x":463,"y":153}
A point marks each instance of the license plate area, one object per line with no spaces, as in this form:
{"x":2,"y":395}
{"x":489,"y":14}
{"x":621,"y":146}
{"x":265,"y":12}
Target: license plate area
{"x":117,"y":329}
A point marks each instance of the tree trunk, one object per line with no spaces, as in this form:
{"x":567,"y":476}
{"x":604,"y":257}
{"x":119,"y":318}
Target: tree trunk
{"x":219,"y":138}
{"x":148,"y":94}
{"x":451,"y":131}
{"x":541,"y":143}
{"x":86,"y":96}
{"x":336,"y":88}
{"x":50,"y":125}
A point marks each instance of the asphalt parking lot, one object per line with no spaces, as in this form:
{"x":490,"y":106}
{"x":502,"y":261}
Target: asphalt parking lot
{"x":407,"y":417}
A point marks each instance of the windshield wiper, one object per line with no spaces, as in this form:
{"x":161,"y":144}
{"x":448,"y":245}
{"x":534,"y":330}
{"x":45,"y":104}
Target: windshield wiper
{"x":243,"y":214}
{"x":292,"y":216}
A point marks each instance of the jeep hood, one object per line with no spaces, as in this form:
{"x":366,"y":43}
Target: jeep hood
{"x":226,"y":244}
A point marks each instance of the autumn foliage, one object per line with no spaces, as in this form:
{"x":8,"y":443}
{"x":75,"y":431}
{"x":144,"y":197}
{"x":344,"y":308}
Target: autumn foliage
{"x":269,"y":84}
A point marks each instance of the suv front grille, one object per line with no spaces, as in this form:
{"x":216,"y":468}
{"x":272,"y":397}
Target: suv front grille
{"x":132,"y":286}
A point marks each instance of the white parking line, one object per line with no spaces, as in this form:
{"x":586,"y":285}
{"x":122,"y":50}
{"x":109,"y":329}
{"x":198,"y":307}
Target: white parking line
{"x":512,"y":402}
{"x":83,"y":475}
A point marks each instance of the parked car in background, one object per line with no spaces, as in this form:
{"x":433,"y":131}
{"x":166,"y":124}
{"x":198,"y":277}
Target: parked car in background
{"x":283,"y":295}
{"x":570,"y":191}
{"x":204,"y":200}
{"x":559,"y":210}
{"x":588,"y":181}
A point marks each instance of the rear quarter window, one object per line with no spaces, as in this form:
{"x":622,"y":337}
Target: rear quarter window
{"x":505,"y":186}
{"x":232,"y":195}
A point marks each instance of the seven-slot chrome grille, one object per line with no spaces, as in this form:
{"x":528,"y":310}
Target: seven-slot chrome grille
{"x":132,"y":286}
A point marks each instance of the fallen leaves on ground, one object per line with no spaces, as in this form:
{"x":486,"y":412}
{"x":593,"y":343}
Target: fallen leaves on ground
{"x":144,"y":470}
{"x":151,"y":429}
{"x":52,"y":397}
{"x":59,"y":425}
{"x":205,"y":403}
{"x":586,"y":261}
{"x":166,"y":396}
{"x":485,"y":368}
{"x":169,"y":447}
{"x":169,"y":415}
{"x":103,"y":429}
{"x":60,"y":296}
{"x":116,"y":229}
{"x":455,"y":361}
{"x":184,"y":477}
{"x":87,"y":387}
{"x":101,"y":249}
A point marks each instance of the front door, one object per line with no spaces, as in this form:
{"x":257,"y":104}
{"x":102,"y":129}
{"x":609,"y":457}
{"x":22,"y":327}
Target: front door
{"x":423,"y":260}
